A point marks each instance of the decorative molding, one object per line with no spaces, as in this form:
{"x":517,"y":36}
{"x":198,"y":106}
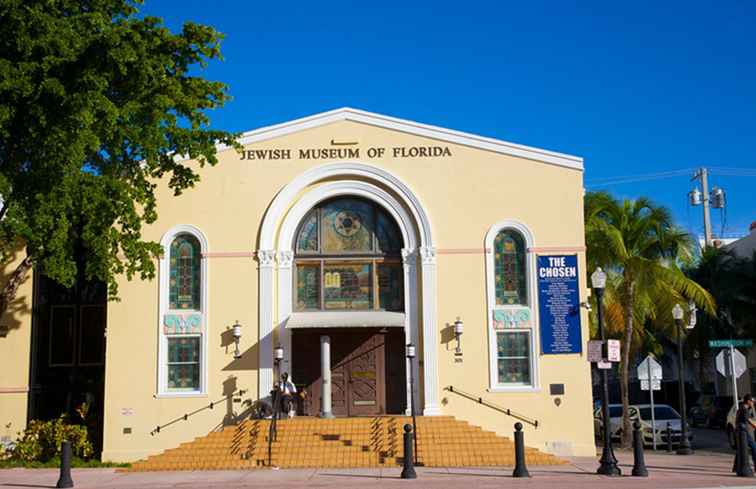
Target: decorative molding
{"x":163,"y":311}
{"x":267,"y":258}
{"x":186,"y":323}
{"x":557,"y":249}
{"x":409,"y":257}
{"x":414,"y":128}
{"x":428,"y":254}
{"x":289,"y":207}
{"x":229,"y":254}
{"x":511,"y":313}
{"x":285,"y":258}
{"x":14,"y":390}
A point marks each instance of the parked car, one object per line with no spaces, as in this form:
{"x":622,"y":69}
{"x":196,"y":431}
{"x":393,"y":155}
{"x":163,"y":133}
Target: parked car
{"x":663,"y":414}
{"x":711,"y":411}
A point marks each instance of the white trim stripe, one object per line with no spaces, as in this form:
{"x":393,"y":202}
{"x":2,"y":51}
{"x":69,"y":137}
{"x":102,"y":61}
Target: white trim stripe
{"x":414,"y":128}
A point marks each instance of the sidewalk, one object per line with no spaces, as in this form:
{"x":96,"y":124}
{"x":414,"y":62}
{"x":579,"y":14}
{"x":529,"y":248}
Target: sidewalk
{"x":702,"y":470}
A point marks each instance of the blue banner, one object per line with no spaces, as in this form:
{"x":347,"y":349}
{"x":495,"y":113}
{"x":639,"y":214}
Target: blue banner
{"x":559,"y":304}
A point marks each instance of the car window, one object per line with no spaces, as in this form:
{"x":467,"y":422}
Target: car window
{"x":615,"y":411}
{"x":660,"y":413}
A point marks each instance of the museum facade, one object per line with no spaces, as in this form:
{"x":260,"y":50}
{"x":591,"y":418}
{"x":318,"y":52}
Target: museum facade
{"x":331,"y":242}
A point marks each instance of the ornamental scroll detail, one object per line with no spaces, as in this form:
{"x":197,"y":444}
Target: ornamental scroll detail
{"x":182,"y":323}
{"x":512,"y":318}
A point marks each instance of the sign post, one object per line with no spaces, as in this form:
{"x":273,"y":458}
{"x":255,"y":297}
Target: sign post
{"x":650,"y":370}
{"x":731,"y":362}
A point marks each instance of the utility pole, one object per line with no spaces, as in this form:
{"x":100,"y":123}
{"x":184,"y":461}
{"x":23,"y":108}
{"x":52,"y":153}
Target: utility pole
{"x":702,"y":174}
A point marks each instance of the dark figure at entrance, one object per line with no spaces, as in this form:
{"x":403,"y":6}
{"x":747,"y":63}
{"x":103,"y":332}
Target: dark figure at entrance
{"x":287,"y":392}
{"x":745,"y":415}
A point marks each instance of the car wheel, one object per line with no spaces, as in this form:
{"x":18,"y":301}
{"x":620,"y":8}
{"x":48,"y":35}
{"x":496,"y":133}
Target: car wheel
{"x":731,"y":437}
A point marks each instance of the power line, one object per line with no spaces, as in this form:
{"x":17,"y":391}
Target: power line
{"x":602,"y":182}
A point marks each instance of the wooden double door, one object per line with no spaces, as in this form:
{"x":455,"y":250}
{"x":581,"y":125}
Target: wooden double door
{"x":366,"y":369}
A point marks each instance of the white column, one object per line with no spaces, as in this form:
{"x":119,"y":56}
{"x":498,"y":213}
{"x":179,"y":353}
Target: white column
{"x":409,"y":259}
{"x":285,"y":259}
{"x":325,"y":372}
{"x":430,"y":333}
{"x":266,"y":259}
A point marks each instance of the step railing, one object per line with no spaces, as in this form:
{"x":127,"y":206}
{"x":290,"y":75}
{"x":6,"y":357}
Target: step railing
{"x":275,"y":401}
{"x":186,"y":416}
{"x":480,"y":400}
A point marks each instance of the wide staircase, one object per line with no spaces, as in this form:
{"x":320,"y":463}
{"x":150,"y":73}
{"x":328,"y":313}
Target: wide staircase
{"x":442,"y":441}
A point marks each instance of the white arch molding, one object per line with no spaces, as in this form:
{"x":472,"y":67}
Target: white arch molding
{"x":289,"y":207}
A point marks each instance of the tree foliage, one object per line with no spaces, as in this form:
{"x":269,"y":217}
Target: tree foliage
{"x":638,"y":245}
{"x":96,"y":103}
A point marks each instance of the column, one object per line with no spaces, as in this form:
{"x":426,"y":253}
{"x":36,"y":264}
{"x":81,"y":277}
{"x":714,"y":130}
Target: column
{"x":266,"y":259}
{"x":430,"y":333}
{"x":325,"y":369}
{"x":409,"y":260}
{"x":285,"y":260}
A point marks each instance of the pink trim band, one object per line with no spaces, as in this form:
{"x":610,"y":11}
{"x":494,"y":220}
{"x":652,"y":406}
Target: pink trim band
{"x":229,"y":254}
{"x":14,"y":390}
{"x":552,"y":249}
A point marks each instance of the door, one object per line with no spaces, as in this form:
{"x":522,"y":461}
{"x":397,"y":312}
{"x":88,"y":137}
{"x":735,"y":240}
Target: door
{"x":366,"y":391}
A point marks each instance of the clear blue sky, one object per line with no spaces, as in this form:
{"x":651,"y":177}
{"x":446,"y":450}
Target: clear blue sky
{"x":637,"y":88}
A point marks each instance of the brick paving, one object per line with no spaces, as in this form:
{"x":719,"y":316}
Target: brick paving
{"x":702,"y":470}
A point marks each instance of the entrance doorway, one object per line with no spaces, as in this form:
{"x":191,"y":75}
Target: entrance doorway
{"x":367,"y":370}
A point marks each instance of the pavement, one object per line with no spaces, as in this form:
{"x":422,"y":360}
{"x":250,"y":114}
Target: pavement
{"x":704,"y":469}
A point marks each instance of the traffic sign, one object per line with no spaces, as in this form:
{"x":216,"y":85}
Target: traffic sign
{"x":728,"y":343}
{"x":604,"y":365}
{"x":613,"y":350}
{"x":655,"y":383}
{"x":649,"y":368}
{"x":737,"y":363}
{"x":594,"y":351}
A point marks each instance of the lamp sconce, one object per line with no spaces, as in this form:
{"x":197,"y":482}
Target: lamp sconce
{"x":459,"y":328}
{"x":236,"y":332}
{"x":587,"y":306}
{"x":278,"y":354}
{"x":410,"y":351}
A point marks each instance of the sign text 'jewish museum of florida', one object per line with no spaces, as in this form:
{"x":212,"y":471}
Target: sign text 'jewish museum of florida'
{"x":559,"y":304}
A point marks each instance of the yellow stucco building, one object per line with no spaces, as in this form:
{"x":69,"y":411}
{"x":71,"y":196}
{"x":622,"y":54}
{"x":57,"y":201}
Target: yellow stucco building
{"x":339,"y":238}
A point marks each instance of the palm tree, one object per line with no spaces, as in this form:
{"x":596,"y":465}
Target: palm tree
{"x":637,"y":243}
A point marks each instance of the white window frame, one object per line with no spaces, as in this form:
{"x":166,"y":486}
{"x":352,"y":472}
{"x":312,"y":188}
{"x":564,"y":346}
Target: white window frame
{"x":164,"y":277}
{"x":530,"y":270}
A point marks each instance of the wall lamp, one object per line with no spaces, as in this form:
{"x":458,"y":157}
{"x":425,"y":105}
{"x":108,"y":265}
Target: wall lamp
{"x":459,"y":328}
{"x":236,"y":332}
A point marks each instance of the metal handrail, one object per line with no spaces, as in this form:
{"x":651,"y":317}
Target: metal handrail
{"x":186,"y":416}
{"x":480,"y":400}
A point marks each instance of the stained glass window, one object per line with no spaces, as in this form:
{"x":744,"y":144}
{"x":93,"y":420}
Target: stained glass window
{"x":185,"y":273}
{"x":390,"y":287}
{"x":348,"y":226}
{"x":387,"y":233}
{"x":308,"y":286}
{"x":308,"y":233}
{"x":509,"y":268}
{"x":348,"y":258}
{"x":348,"y":286}
{"x":513,"y":357}
{"x":184,"y":364}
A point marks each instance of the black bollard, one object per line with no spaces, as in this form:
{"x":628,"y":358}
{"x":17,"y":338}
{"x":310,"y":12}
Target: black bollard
{"x":639,"y":467}
{"x":65,"y":466}
{"x":742,"y":459}
{"x":520,"y":470}
{"x":408,"y":472}
{"x":669,"y":438}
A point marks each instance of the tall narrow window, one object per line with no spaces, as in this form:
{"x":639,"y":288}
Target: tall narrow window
{"x":510,"y":318}
{"x":185,"y":273}
{"x":509,"y":249}
{"x":182,"y":352}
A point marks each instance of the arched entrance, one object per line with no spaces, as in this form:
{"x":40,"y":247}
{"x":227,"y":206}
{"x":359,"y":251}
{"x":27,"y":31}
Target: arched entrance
{"x":349,"y":286}
{"x":277,"y":251}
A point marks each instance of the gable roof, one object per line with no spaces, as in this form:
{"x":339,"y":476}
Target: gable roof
{"x":415,"y":128}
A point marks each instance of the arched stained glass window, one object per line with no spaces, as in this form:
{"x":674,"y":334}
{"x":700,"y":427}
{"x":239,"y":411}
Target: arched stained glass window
{"x":185,"y":273}
{"x":348,"y":258}
{"x":509,"y":268}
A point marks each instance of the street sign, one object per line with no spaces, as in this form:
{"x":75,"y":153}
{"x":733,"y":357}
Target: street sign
{"x":649,"y":368}
{"x":594,"y":351}
{"x":604,"y":365}
{"x":613,"y":350}
{"x":728,"y":343}
{"x":656,"y":384}
{"x":737,"y":364}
